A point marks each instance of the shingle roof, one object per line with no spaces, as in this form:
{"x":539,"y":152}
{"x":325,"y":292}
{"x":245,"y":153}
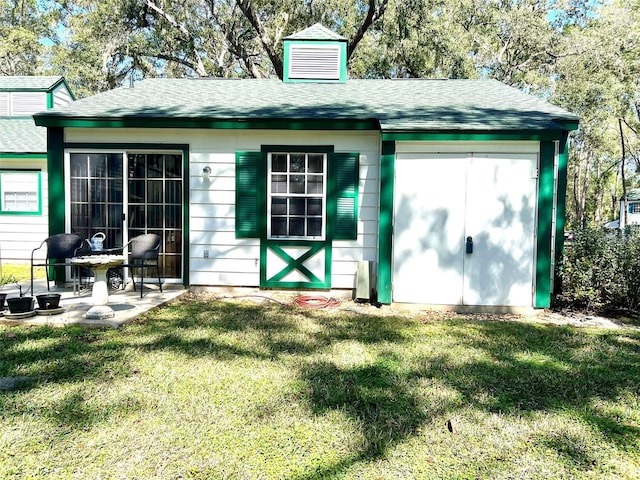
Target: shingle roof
{"x":20,"y":135}
{"x":315,"y":32}
{"x":398,"y":105}
{"x":29,"y":83}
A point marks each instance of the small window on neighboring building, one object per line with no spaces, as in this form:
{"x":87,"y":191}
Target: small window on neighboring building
{"x":20,"y":192}
{"x":634,"y":207}
{"x":297,"y":195}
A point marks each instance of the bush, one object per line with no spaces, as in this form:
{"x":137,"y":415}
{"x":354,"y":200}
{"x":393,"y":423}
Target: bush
{"x":600,"y":270}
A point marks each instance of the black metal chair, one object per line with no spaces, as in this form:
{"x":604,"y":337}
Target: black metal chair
{"x":60,"y":248}
{"x":142,"y":252}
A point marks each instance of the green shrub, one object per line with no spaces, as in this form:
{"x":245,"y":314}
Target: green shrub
{"x":600,"y":270}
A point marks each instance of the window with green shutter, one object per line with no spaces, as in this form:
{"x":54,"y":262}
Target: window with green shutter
{"x":297,"y":193}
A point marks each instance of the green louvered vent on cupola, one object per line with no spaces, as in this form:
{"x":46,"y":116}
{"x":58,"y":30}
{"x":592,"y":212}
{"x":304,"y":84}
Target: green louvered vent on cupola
{"x":315,"y":54}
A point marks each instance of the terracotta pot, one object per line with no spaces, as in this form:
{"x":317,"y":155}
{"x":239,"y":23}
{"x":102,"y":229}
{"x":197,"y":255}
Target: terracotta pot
{"x":20,"y":304}
{"x":48,"y":301}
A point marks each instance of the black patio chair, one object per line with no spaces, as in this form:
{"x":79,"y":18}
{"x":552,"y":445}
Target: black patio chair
{"x":142,"y":252}
{"x":60,"y":249}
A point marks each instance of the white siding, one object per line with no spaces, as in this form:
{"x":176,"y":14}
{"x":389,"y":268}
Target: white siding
{"x":4,"y":104}
{"x":61,"y":96}
{"x":236,"y":262}
{"x":24,"y":104}
{"x":20,"y":234}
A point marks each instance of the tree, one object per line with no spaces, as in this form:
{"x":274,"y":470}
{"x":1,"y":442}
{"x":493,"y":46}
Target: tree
{"x":23,"y":29}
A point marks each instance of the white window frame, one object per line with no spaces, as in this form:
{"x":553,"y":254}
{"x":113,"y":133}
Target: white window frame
{"x":21,"y":187}
{"x":288,"y":195}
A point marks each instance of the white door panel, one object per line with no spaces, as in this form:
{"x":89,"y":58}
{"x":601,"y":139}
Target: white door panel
{"x":442,"y":199}
{"x":429,"y":223}
{"x":500,"y":219}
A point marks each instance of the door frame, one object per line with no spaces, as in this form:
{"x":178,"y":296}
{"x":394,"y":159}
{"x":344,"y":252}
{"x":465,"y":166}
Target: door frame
{"x":181,"y":149}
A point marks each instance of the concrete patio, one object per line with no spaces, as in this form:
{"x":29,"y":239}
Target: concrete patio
{"x":126,"y":304}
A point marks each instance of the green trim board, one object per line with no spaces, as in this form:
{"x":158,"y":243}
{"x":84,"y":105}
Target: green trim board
{"x":38,"y":173}
{"x":543,"y":273}
{"x":385,"y":228}
{"x":561,"y":210}
{"x":278,"y":248}
{"x":21,"y":156}
{"x":475,"y":136}
{"x":207,"y":123}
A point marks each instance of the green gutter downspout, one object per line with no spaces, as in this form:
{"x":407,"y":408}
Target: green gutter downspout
{"x":385,"y":227}
{"x":545,"y":216}
{"x":561,"y":209}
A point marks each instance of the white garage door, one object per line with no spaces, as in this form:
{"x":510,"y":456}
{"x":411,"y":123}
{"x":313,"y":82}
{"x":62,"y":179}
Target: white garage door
{"x":441,"y":200}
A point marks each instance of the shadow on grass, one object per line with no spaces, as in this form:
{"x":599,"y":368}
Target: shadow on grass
{"x":511,"y":368}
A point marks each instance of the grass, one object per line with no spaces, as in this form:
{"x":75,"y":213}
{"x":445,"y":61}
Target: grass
{"x":202,"y":389}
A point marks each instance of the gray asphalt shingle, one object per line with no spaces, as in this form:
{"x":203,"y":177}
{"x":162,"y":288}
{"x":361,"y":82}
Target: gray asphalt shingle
{"x":20,"y":135}
{"x":399,"y":105}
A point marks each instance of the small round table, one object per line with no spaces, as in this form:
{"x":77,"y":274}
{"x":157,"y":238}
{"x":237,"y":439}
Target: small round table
{"x":100,"y":291}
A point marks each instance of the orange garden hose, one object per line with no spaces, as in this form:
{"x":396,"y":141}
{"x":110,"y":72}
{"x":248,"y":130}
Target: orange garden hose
{"x":314,"y":301}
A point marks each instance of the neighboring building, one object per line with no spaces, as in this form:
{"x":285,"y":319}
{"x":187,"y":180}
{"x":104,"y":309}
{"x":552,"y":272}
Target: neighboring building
{"x":446,"y":188}
{"x":633,"y":209}
{"x":23,"y":162}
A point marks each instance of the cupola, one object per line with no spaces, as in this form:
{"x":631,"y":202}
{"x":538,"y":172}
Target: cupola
{"x":315,"y":54}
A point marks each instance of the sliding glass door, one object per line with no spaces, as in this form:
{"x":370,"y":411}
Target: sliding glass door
{"x":125,"y":194}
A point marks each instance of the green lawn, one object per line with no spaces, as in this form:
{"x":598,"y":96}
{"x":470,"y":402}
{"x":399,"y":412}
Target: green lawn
{"x":217,"y":390}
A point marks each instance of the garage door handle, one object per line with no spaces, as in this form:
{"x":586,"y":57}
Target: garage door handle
{"x":469,"y":245}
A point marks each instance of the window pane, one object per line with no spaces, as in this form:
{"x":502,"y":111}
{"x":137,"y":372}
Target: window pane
{"x":314,"y":206}
{"x":80,"y":214}
{"x":98,"y":190}
{"x":136,"y":191}
{"x":296,"y":206}
{"x":173,"y":216}
{"x":278,"y":206}
{"x":279,"y":184}
{"x":314,"y":184}
{"x":296,"y":184}
{"x":173,"y":166}
{"x":115,"y":191}
{"x":173,"y":191}
{"x":154,"y":217}
{"x":279,"y":226}
{"x":279,"y":162}
{"x":136,"y":216}
{"x":314,"y":227}
{"x":98,"y":218}
{"x":316,"y":163}
{"x":296,"y":227}
{"x":296,"y":163}
{"x":154,"y":194}
{"x":155,"y":165}
{"x":98,"y":165}
{"x":78,"y":164}
{"x":114,"y":165}
{"x":79,"y":190}
{"x":137,"y":164}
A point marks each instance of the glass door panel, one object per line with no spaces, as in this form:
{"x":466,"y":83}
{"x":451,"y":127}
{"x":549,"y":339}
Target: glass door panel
{"x":96,"y":196}
{"x":155,"y":205}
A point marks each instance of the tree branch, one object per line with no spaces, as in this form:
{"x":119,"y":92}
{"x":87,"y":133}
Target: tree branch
{"x":373,"y":15}
{"x":247,"y":8}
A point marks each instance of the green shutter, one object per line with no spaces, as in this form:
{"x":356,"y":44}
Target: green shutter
{"x":344,"y":174}
{"x":248,"y":165}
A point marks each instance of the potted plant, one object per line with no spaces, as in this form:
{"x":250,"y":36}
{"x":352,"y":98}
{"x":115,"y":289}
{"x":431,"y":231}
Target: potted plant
{"x":4,"y":280}
{"x":21,"y":304}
